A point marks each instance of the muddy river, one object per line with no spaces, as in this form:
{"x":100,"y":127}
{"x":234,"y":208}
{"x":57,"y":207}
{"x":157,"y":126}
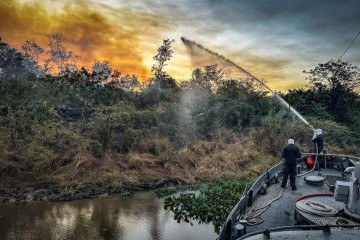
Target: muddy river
{"x":140,"y":216}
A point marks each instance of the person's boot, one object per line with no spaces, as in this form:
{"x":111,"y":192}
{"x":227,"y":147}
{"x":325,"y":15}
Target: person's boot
{"x":294,"y":188}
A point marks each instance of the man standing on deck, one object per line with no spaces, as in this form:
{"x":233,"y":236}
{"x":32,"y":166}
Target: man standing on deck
{"x":318,"y":139}
{"x":291,"y":152}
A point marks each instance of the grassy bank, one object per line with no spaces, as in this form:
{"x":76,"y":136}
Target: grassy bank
{"x":81,"y":131}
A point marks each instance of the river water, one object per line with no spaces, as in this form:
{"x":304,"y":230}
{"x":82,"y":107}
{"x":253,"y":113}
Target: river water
{"x":140,"y":216}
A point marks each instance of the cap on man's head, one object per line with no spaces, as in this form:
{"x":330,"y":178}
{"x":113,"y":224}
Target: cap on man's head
{"x":318,"y":131}
{"x":291,"y":141}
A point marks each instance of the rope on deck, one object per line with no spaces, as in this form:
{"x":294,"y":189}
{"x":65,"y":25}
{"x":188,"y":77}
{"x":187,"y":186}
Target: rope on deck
{"x":336,"y":221}
{"x":252,"y":215}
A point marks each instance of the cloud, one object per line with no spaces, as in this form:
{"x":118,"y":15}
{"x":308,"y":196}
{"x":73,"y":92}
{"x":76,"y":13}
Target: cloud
{"x":92,"y":32}
{"x":275,"y":40}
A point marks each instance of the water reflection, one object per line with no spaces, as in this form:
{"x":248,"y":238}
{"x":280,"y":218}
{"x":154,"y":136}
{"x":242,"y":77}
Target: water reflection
{"x":138,"y":217}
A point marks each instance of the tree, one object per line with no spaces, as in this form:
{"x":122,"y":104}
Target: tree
{"x":334,"y":75}
{"x":129,"y":82}
{"x":32,"y":49}
{"x":14,"y":64}
{"x":164,"y":54}
{"x":331,"y":91}
{"x":101,"y":71}
{"x":208,"y":79}
{"x":59,"y":56}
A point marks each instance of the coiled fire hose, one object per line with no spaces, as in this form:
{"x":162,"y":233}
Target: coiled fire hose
{"x":317,"y":208}
{"x":252,"y":215}
{"x":327,"y":213}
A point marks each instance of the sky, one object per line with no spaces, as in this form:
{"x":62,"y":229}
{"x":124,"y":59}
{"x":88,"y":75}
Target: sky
{"x":275,"y":40}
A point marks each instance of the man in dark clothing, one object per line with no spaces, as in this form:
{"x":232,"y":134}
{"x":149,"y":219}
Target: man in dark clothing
{"x":318,"y":140}
{"x":291,"y":152}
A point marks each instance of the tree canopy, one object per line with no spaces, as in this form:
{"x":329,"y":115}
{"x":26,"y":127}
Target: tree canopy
{"x":334,"y":75}
{"x":331,"y":94}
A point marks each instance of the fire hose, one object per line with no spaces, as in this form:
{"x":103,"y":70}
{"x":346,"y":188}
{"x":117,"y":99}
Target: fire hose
{"x":316,"y":208}
{"x":252,"y":215}
{"x":327,"y":213}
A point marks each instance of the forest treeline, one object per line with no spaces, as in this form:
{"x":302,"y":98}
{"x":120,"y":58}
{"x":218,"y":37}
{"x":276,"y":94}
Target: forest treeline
{"x":71,"y":127}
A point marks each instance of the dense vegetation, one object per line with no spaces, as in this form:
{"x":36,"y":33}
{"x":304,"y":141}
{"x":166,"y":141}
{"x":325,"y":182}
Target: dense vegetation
{"x":213,"y":204}
{"x":79,"y":127}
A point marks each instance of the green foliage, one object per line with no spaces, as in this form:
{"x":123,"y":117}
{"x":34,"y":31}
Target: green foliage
{"x":207,"y":79}
{"x":334,"y":75}
{"x":125,"y":193}
{"x":132,"y":138}
{"x":341,"y":106}
{"x":144,"y":119}
{"x":166,"y":191}
{"x":337,"y":134}
{"x":213,"y":204}
{"x":234,"y":105}
{"x":331,"y":94}
{"x":310,"y":103}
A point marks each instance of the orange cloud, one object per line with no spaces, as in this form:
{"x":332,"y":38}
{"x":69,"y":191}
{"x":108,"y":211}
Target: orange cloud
{"x":89,"y":33}
{"x":128,"y":38}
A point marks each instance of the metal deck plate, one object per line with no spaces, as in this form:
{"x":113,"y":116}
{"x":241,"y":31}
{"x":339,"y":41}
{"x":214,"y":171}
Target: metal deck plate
{"x":331,"y":179}
{"x":314,"y":180}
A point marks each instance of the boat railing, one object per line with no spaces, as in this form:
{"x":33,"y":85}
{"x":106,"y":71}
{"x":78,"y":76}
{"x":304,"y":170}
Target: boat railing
{"x":325,"y":228}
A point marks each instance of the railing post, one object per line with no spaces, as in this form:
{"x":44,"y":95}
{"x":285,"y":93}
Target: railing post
{"x":250,"y":198}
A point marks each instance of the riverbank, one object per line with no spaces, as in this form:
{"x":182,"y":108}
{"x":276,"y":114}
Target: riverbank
{"x":85,"y":177}
{"x":52,"y":192}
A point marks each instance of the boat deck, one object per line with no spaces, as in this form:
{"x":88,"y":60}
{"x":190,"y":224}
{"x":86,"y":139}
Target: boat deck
{"x":282,"y":211}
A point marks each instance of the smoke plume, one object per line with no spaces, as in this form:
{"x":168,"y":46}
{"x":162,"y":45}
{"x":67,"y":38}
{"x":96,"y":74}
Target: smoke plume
{"x":88,"y":32}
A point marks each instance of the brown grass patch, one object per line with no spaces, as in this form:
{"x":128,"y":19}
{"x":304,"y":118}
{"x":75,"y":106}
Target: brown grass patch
{"x":85,"y":161}
{"x":10,"y":169}
{"x":203,"y":148}
{"x":140,"y":160}
{"x":10,"y":157}
{"x":154,"y":145}
{"x":109,"y":165}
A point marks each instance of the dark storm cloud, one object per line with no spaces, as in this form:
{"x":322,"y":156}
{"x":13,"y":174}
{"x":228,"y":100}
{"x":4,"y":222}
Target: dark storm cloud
{"x":330,"y":23}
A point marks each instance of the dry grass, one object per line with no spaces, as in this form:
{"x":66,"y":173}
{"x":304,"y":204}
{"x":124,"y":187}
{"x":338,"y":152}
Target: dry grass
{"x":140,"y":160}
{"x":61,"y":161}
{"x":9,"y":169}
{"x":85,"y":161}
{"x":109,"y":165}
{"x":10,"y":157}
{"x":9,"y":164}
{"x":154,"y":145}
{"x":228,"y":156}
{"x":203,"y":148}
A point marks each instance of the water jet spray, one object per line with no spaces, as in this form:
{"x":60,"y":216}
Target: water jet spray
{"x":190,"y":44}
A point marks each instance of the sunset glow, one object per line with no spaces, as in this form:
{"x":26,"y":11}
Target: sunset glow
{"x":275,"y":46}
